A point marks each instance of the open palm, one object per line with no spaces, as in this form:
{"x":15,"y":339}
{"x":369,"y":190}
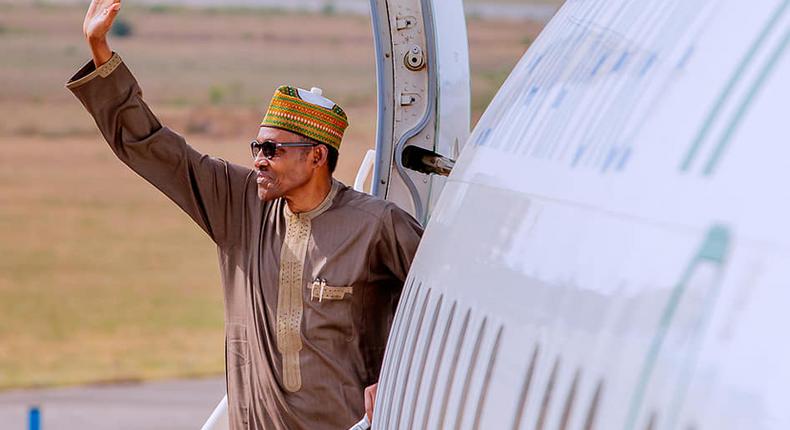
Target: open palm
{"x":99,"y":18}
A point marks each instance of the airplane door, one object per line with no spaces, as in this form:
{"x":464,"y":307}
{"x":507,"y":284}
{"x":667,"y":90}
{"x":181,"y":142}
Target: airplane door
{"x":422,"y":68}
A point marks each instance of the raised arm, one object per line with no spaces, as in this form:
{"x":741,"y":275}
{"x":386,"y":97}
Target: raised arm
{"x":211,"y":191}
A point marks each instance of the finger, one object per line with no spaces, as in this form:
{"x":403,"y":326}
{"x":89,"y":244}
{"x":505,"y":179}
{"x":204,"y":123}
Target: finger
{"x":93,"y":10}
{"x":115,"y":7}
{"x":93,"y":6}
{"x":98,"y":7}
{"x":369,"y":403}
{"x":111,"y":12}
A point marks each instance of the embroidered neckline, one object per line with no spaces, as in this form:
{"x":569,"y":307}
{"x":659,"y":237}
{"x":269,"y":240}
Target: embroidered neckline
{"x":321,"y":208}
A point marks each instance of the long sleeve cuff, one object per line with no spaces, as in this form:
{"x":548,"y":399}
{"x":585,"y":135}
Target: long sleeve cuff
{"x":89,"y":72}
{"x":104,"y":86}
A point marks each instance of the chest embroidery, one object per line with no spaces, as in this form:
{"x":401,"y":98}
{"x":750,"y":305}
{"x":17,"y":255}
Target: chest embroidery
{"x":289,"y":301}
{"x":298,"y":230}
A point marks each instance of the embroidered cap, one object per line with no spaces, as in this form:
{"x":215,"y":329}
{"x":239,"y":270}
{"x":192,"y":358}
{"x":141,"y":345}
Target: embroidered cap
{"x":307,"y":113}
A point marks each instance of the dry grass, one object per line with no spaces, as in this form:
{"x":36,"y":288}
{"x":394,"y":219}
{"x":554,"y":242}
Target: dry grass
{"x":101,"y":277}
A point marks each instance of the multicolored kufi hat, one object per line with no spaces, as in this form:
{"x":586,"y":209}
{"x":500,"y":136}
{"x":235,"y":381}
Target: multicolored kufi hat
{"x":307,"y":113}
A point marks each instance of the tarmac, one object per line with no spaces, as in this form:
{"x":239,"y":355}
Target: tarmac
{"x":171,"y":405}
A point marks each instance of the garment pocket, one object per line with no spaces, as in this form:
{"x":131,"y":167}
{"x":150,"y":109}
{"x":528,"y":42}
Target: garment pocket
{"x":329,"y":311}
{"x":320,"y":290}
{"x":238,"y":372}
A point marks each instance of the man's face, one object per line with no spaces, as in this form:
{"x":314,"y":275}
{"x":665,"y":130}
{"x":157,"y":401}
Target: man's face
{"x":290,"y":168}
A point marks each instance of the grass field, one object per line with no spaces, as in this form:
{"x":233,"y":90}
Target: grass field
{"x":101,"y":277}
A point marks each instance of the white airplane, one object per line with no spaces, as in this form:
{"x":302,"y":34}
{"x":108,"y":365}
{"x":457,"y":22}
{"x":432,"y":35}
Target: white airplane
{"x":611,"y":249}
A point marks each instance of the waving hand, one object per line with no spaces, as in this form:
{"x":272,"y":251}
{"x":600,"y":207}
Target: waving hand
{"x":98,"y":21}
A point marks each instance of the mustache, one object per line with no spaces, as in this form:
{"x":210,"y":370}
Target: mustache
{"x":263,"y":176}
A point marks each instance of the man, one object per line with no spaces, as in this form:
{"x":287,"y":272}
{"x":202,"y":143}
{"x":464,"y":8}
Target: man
{"x":311,"y":270}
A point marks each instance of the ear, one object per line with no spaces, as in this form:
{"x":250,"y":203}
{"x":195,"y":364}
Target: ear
{"x":320,"y":156}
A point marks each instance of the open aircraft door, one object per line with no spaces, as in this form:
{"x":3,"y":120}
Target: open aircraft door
{"x":422,"y":68}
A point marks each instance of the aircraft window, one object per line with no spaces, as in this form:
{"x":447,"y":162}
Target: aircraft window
{"x":408,"y":354}
{"x":487,"y":379}
{"x":470,"y":368}
{"x":522,"y":400}
{"x":544,"y":406}
{"x":590,"y":421}
{"x":566,"y":411}
{"x":439,"y":361}
{"x":453,"y":366}
{"x":427,"y":342}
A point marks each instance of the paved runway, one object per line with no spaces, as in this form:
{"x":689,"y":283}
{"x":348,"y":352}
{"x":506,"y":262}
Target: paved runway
{"x":171,"y":405}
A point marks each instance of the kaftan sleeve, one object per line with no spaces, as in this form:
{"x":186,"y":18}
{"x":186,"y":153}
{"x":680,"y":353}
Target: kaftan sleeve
{"x":210,"y":190}
{"x":399,"y":237}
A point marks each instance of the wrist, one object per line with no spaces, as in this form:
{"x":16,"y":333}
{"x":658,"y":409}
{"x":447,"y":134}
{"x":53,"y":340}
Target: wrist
{"x":100,"y":50}
{"x":96,"y":40}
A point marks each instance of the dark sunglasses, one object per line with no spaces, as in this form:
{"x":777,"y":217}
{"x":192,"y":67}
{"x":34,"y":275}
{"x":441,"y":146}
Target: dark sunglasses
{"x":269,"y":147}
